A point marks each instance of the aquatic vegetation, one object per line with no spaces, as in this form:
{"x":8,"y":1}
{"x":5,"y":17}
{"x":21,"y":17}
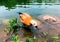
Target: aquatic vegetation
{"x":13,"y":25}
{"x":55,"y":37}
{"x":12,"y":29}
{"x":14,"y":38}
{"x":27,"y":39}
{"x":33,"y":39}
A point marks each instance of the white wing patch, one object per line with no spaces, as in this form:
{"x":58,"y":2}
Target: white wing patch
{"x":33,"y":22}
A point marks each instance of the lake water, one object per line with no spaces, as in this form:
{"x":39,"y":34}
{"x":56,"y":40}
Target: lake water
{"x":9,"y":9}
{"x":34,"y":10}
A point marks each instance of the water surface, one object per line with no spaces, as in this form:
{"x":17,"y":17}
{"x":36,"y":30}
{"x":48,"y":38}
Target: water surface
{"x":10,"y":8}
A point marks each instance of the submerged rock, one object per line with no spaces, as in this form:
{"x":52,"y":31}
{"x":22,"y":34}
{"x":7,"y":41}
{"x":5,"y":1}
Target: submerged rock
{"x":50,"y":24}
{"x":49,"y":18}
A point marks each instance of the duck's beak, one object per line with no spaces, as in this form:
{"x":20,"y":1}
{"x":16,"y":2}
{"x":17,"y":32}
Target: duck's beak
{"x":20,"y":13}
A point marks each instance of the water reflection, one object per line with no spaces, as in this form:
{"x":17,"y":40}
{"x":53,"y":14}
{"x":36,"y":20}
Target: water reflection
{"x":12,"y":3}
{"x":9,"y":8}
